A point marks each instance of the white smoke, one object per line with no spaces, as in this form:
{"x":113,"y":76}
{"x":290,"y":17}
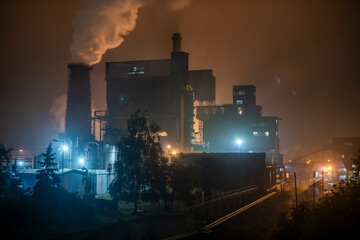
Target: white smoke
{"x":176,"y":5}
{"x":102,"y":25}
{"x":57,"y":112}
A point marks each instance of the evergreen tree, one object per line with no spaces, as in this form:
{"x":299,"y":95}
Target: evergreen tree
{"x":15,"y":178}
{"x":5,"y":156}
{"x":47,"y":177}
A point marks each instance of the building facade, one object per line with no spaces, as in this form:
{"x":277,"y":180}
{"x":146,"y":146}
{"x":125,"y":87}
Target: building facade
{"x":165,"y":89}
{"x":240,"y":126}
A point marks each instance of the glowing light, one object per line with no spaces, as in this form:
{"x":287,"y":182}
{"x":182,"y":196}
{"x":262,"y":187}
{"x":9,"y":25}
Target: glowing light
{"x":174,"y":152}
{"x":168,"y":146}
{"x":21,"y":150}
{"x":65,"y":148}
{"x":329,"y":168}
{"x":239,"y":142}
{"x":329,"y":160}
{"x":81,"y":161}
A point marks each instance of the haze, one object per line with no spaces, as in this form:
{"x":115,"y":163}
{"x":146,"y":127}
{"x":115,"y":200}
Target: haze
{"x":303,"y":57}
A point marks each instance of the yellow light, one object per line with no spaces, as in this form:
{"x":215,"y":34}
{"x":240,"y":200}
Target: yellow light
{"x":174,"y":152}
{"x":20,"y":150}
{"x":168,"y":146}
{"x":329,"y":168}
{"x":329,"y":160}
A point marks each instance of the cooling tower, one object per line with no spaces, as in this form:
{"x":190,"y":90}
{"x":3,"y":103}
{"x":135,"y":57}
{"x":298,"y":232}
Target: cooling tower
{"x":78,"y":109}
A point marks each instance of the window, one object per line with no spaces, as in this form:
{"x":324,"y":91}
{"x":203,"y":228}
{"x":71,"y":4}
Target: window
{"x":256,"y":134}
{"x":267,"y":134}
{"x":239,"y":102}
{"x":240,"y":93}
{"x":135,"y":70}
{"x":240,"y":110}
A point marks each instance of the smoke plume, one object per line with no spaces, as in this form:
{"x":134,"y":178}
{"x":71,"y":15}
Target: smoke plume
{"x":102,"y":25}
{"x":57,"y":112}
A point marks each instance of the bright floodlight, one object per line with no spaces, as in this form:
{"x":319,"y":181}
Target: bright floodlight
{"x":81,"y":161}
{"x":239,"y":142}
{"x":65,"y":148}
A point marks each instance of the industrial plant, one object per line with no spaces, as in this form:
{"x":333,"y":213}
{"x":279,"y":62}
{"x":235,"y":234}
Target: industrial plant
{"x":180,"y":100}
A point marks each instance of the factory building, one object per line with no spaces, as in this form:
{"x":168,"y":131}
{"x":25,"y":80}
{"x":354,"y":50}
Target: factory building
{"x":166,"y":89}
{"x":240,"y":126}
{"x":181,"y":101}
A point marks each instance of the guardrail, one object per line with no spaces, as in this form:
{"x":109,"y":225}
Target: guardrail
{"x":222,"y":196}
{"x":215,"y":223}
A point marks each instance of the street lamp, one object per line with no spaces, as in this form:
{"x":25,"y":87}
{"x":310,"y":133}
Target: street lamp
{"x":81,"y":161}
{"x":239,"y":143}
{"x":65,"y":148}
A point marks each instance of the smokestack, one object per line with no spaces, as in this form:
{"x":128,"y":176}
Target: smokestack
{"x":179,"y":59}
{"x":176,"y":42}
{"x":78,"y":109}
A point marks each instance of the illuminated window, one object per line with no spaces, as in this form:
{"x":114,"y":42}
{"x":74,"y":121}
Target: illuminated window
{"x":267,"y":134}
{"x":239,"y":102}
{"x":240,"y":93}
{"x":256,"y":134}
{"x":135,"y":70}
{"x":240,"y":110}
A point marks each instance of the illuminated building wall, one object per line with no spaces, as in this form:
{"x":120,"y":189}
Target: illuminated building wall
{"x":240,"y":127}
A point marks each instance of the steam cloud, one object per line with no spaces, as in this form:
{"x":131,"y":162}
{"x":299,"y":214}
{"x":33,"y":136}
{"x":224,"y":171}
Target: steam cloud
{"x":102,"y":25}
{"x":57,"y":111}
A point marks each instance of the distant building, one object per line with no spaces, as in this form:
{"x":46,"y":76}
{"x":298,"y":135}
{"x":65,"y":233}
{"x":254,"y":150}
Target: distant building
{"x":240,"y":127}
{"x":73,"y":180}
{"x":344,"y":149}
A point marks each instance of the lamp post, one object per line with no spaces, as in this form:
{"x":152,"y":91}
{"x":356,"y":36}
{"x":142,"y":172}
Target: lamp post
{"x":239,"y":143}
{"x":65,"y":148}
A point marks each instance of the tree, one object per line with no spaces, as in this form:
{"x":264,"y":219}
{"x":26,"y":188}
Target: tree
{"x":141,"y":168}
{"x":335,"y":216}
{"x":356,"y":163}
{"x":5,"y":156}
{"x":47,"y":177}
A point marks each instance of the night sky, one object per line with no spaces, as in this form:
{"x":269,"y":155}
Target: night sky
{"x":303,"y":57}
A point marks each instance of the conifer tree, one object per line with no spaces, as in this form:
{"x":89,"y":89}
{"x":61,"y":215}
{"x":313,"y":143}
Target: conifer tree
{"x":47,"y":177}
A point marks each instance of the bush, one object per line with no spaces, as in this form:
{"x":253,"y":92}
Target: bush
{"x":335,"y":215}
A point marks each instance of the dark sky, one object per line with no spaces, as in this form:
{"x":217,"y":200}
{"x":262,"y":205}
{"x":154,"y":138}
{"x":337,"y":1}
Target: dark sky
{"x":303,"y":57}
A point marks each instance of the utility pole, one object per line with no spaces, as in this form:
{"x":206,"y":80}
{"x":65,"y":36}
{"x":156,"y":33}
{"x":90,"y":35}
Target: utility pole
{"x":296,"y":199}
{"x":322,"y":181}
{"x":314,"y":186}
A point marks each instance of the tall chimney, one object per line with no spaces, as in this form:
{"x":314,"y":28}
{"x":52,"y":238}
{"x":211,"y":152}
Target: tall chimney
{"x":176,"y":42}
{"x":78,"y":109}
